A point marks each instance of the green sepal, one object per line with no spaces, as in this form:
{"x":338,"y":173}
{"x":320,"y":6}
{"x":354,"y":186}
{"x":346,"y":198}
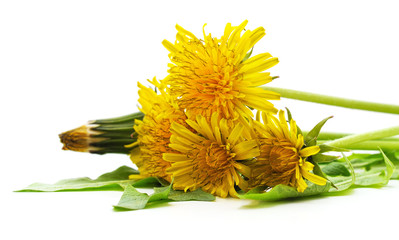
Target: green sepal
{"x":289,"y":117}
{"x":119,"y":120}
{"x":248,"y":55}
{"x":390,"y":167}
{"x":326,"y":148}
{"x":322,"y":158}
{"x":163,"y":182}
{"x":311,"y":137}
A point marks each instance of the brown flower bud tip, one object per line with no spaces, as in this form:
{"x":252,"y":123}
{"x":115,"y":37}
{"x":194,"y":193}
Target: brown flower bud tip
{"x":78,"y":139}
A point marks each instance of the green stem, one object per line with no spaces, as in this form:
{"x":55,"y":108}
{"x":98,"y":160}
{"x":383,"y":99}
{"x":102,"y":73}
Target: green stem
{"x":362,"y":137}
{"x":335,"y":135}
{"x":335,"y":101}
{"x":370,"y":145}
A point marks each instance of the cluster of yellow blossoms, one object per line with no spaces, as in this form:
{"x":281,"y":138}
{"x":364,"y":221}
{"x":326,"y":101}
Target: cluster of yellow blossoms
{"x":199,"y":128}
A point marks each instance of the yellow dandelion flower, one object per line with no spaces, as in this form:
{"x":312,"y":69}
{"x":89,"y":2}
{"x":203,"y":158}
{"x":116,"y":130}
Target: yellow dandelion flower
{"x":283,"y":155}
{"x":153,"y":131}
{"x":212,"y":158}
{"x":214,"y":74}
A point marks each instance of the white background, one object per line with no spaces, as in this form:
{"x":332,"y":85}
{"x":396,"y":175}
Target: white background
{"x":65,"y":62}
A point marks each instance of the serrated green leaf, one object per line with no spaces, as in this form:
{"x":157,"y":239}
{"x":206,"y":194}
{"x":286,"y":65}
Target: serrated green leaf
{"x":366,"y":178}
{"x":343,"y":182}
{"x":317,"y":171}
{"x":311,"y":137}
{"x":336,"y":169}
{"x":371,"y":177}
{"x":197,"y":195}
{"x":132,"y":199}
{"x":281,"y":192}
{"x":360,"y":163}
{"x":109,"y":181}
{"x":160,"y":193}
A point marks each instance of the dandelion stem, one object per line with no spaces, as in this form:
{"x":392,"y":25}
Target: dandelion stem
{"x":335,"y":101}
{"x":371,"y":145}
{"x":329,"y":136}
{"x":363,"y":137}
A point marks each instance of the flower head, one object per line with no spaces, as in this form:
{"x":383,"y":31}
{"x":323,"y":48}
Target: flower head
{"x":212,"y":158}
{"x":214,"y":74}
{"x":153,"y":131}
{"x":283,"y":156}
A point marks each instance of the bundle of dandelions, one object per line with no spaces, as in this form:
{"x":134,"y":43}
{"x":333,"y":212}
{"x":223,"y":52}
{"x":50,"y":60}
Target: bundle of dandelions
{"x":209,"y":126}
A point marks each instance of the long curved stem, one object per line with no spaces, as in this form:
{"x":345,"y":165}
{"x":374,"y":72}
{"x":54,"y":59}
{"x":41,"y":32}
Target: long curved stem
{"x":362,"y":137}
{"x":371,"y":145}
{"x":335,"y":101}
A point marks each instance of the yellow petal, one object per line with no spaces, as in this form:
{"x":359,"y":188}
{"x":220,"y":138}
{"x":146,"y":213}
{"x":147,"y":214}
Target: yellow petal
{"x":314,"y":178}
{"x":309,"y":151}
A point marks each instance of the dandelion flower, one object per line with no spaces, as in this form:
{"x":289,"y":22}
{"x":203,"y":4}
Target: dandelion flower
{"x":216,"y":75}
{"x":153,"y":133}
{"x":283,"y":156}
{"x":212,"y":158}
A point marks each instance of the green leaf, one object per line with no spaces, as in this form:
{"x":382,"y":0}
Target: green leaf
{"x":317,"y":171}
{"x":310,"y":139}
{"x":132,"y":199}
{"x":343,"y":182}
{"x":372,"y":177}
{"x":114,"y":180}
{"x":281,"y":192}
{"x":149,"y":182}
{"x":375,"y":176}
{"x":197,"y":195}
{"x":160,"y":193}
{"x":365,"y":160}
{"x":336,"y":169}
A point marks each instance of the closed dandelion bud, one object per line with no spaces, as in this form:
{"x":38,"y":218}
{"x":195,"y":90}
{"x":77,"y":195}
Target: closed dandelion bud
{"x":102,"y":136}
